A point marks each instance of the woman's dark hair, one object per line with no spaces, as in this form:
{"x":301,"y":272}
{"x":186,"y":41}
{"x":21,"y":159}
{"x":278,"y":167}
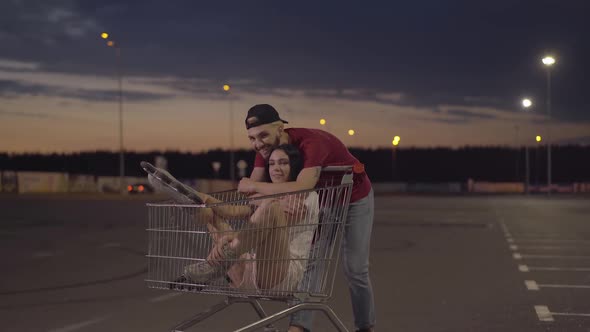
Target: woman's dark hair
{"x":295,"y":161}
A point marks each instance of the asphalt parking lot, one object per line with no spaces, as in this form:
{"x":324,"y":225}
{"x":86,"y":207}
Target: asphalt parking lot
{"x":461,"y":263}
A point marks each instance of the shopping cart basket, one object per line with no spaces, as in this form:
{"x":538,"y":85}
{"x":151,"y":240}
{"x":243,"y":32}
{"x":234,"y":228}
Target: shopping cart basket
{"x":262,"y":252}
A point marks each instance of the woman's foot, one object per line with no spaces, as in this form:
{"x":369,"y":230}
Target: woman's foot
{"x":203,"y":272}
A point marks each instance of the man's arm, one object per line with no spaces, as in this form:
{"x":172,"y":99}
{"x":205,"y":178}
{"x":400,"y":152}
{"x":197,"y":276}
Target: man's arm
{"x":307,"y":179}
{"x":257,"y":174}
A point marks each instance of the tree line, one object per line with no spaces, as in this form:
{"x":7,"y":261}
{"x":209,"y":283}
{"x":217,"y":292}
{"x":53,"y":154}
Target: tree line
{"x":569,"y":163}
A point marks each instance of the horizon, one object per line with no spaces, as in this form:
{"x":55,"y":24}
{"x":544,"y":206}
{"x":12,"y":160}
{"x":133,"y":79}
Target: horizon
{"x":464,"y":147}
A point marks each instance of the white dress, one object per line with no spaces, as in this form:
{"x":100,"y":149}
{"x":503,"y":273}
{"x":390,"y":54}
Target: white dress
{"x":300,"y":238}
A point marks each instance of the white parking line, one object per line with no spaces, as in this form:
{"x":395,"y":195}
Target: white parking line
{"x":80,"y":325}
{"x":510,"y":240}
{"x":531,"y":285}
{"x":534,"y":286}
{"x":516,"y":255}
{"x":570,"y":314}
{"x":526,"y":268}
{"x":564,"y":246}
{"x":164,"y":297}
{"x":563,"y":286}
{"x":551,"y":256}
{"x":532,"y":239}
{"x":513,"y":247}
{"x":545,"y":315}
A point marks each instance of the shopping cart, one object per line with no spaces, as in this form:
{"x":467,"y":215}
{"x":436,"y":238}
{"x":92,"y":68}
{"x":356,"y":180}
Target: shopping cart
{"x":266,"y":254}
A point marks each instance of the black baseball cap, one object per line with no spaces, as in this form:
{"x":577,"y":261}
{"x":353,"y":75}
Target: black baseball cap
{"x":262,"y":114}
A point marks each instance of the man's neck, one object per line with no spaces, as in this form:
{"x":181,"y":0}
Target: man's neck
{"x":284,"y":139}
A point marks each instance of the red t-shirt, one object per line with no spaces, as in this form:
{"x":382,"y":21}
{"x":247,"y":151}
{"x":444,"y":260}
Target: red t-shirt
{"x":320,"y":148}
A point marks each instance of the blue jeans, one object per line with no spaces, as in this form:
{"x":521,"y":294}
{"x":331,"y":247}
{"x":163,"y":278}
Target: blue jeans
{"x":355,"y":261}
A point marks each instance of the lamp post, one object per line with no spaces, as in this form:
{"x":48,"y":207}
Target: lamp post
{"x":548,"y":61}
{"x":112,"y":43}
{"x":324,"y":123}
{"x":538,"y":139}
{"x":526,"y":104}
{"x":232,"y":171}
{"x":351,"y":133}
{"x":395,"y":143}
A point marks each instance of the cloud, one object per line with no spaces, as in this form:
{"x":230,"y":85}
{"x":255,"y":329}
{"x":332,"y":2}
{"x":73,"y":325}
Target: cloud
{"x":45,"y":22}
{"x":470,"y":115}
{"x":8,"y":64}
{"x":28,"y":115}
{"x":12,"y":89}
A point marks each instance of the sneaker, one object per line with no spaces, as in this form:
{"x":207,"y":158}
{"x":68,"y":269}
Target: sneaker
{"x":180,"y":284}
{"x":162,"y":181}
{"x":203,"y":272}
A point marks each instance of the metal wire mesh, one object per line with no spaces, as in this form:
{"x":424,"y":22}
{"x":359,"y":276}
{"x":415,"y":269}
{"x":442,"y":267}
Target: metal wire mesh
{"x":280,"y":246}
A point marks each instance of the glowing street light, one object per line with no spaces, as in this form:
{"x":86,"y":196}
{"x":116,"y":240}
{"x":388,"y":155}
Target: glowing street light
{"x":350,"y":132}
{"x":323,"y":122}
{"x":226,"y":87}
{"x":104,"y":35}
{"x":395,"y":141}
{"x":538,"y":138}
{"x":526,"y":103}
{"x":548,"y":60}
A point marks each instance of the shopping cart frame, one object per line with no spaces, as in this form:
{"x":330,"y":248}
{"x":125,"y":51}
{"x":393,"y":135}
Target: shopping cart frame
{"x":337,"y":180}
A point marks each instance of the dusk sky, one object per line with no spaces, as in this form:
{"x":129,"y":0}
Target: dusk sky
{"x":436,"y":73}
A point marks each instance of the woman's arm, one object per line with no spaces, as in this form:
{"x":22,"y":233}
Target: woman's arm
{"x":226,"y":211}
{"x":307,"y":179}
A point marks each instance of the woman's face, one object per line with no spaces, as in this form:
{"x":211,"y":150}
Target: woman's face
{"x":279,"y":167}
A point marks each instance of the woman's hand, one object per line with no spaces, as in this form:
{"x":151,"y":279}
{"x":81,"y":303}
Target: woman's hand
{"x":217,"y":256}
{"x":293,"y":206}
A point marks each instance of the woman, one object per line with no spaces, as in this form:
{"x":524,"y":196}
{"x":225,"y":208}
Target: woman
{"x":273,"y":246}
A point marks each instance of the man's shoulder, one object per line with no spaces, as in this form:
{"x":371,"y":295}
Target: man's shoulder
{"x":299,"y":134}
{"x":303,"y":131}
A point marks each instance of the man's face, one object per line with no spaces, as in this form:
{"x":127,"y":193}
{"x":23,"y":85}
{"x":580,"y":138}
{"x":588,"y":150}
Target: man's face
{"x":264,"y":138}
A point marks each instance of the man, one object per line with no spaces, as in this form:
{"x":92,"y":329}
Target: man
{"x":319,"y":148}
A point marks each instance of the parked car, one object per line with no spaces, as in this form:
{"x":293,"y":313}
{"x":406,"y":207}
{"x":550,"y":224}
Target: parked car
{"x":140,"y":188}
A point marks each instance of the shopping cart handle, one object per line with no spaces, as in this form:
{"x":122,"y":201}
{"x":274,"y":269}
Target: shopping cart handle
{"x":337,"y":168}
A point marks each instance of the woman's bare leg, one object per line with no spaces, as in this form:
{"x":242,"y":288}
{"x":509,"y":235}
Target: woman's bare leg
{"x":268,"y":234}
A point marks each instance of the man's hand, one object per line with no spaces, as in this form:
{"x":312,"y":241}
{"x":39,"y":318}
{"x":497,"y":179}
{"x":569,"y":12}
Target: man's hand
{"x":247,"y":186}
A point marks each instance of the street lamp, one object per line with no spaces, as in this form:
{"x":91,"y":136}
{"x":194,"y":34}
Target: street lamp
{"x":526,"y":104}
{"x":232,"y":171}
{"x":324,"y":123}
{"x":538,"y":139}
{"x":351,"y":132}
{"x":548,"y":61}
{"x":395,"y":143}
{"x":117,"y":48}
